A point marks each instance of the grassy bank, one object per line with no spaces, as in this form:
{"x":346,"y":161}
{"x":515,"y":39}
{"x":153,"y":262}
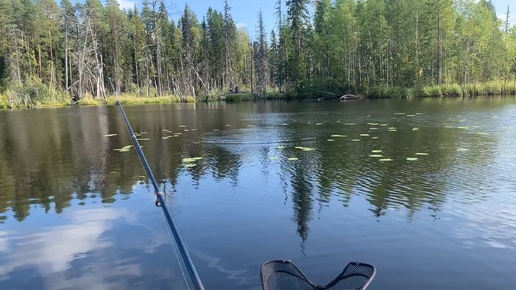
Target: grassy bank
{"x":447,"y":90}
{"x":39,"y":97}
{"x":64,"y":101}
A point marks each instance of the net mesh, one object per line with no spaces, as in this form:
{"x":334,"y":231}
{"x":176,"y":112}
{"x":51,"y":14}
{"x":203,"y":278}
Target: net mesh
{"x":284,"y":275}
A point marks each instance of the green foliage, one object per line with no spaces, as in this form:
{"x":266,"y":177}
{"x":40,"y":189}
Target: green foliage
{"x":376,"y":48}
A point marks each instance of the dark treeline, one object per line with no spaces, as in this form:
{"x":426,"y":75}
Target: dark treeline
{"x":372,"y":47}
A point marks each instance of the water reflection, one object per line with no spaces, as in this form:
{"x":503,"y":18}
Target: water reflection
{"x":57,"y":159}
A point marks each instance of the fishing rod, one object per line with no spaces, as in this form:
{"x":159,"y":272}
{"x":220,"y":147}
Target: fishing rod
{"x":160,"y":201}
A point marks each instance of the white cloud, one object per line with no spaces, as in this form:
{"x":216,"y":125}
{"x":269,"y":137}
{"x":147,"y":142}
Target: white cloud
{"x":241,"y":26}
{"x":53,"y":250}
{"x":503,"y":17}
{"x":126,"y":4}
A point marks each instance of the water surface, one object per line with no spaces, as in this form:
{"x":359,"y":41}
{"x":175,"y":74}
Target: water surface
{"x":298,"y":181}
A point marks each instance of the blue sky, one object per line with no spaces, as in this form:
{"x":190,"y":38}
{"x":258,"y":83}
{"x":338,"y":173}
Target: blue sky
{"x":245,"y":12}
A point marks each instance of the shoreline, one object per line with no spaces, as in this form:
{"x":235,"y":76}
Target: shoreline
{"x":492,"y":89}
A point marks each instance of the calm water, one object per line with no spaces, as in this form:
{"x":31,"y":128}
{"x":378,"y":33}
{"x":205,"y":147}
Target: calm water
{"x":76,"y":214}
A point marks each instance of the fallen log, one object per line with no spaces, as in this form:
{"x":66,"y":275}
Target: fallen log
{"x":350,"y":97}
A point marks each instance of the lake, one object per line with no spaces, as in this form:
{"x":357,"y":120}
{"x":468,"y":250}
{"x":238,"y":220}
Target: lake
{"x":424,"y":190}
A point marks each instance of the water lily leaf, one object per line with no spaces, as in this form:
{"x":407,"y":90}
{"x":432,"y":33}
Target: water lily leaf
{"x":110,"y":135}
{"x":421,"y":154}
{"x":386,"y":160}
{"x":338,"y":136}
{"x":293,"y":159}
{"x":376,"y":156}
{"x":411,"y":159}
{"x":191,"y":160}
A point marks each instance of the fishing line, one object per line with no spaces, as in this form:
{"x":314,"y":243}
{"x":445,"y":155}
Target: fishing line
{"x":160,"y":200}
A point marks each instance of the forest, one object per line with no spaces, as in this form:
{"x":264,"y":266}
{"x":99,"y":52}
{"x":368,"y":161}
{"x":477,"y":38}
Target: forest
{"x":55,"y":53}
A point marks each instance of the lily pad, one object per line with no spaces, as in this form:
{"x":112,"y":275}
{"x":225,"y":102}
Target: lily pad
{"x":421,"y":154}
{"x":338,"y":136}
{"x":191,"y":160}
{"x":124,"y":149}
{"x":411,"y":159}
{"x":376,"y":156}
